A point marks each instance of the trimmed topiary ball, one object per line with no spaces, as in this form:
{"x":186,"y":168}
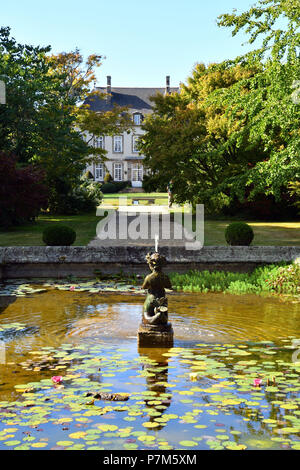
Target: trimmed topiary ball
{"x":239,"y":234}
{"x":59,"y":235}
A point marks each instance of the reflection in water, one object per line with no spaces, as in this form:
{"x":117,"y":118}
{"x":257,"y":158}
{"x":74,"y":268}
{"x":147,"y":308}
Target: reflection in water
{"x":156,"y":368}
{"x":5,"y":301}
{"x":189,"y":393}
{"x":76,"y":317}
{"x":69,"y":316}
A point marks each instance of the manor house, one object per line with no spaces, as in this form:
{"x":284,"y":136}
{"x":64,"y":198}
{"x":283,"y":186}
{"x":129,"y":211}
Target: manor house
{"x":124,"y":162}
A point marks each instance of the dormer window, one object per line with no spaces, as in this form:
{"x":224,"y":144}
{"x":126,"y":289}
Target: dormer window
{"x":137,"y":119}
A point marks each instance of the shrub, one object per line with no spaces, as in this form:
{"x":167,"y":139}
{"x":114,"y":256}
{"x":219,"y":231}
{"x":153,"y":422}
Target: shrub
{"x":154,"y":183}
{"x":59,"y":235}
{"x":114,"y":187}
{"x":83,"y":198}
{"x":286,"y":279}
{"x":108,"y":188}
{"x":295,"y":191}
{"x":275,"y":278}
{"x":263,"y":207}
{"x":239,"y":234}
{"x":22,"y":192}
{"x":89,"y":175}
{"x":108,"y":178}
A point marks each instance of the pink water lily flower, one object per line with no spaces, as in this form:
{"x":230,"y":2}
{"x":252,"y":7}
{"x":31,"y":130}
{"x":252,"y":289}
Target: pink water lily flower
{"x":72,"y":288}
{"x":257,"y":382}
{"x":56,"y":379}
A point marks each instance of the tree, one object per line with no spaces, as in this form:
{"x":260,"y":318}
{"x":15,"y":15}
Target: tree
{"x":190,"y":139}
{"x":271,"y":106}
{"x":36,"y":123}
{"x":45,"y":116}
{"x":79,"y":84}
{"x":295,"y":191}
{"x":233,"y":130}
{"x":18,"y":204}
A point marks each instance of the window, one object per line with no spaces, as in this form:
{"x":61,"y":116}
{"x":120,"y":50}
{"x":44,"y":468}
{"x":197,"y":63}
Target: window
{"x":137,"y":172}
{"x":99,"y":171}
{"x":118,"y":171}
{"x":118,"y":144}
{"x":137,"y":119}
{"x":135,"y":140}
{"x":99,"y":142}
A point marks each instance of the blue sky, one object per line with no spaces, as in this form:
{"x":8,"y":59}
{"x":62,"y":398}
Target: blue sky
{"x":143,"y":41}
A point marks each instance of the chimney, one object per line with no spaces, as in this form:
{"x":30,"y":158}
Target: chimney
{"x":108,"y":88}
{"x":167,"y":85}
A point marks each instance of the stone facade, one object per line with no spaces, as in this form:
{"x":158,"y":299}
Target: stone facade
{"x":124,"y":162}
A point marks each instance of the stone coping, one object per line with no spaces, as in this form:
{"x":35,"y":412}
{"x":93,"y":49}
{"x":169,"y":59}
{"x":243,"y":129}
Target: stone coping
{"x":136,"y":254}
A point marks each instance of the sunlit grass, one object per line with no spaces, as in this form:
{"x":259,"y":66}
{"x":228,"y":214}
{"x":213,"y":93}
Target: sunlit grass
{"x":114,"y":199}
{"x":265,"y":233}
{"x":31,"y":234}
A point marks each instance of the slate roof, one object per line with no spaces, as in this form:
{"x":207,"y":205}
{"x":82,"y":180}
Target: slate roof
{"x":134,"y":98}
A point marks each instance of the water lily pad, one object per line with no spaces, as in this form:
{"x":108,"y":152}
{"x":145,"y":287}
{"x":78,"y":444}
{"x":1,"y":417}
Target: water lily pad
{"x":188,"y":443}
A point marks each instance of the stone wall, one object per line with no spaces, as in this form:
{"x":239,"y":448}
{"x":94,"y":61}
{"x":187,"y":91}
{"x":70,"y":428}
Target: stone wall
{"x":47,"y":261}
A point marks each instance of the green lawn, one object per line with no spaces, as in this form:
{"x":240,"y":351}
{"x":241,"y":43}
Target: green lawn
{"x":113,"y":199}
{"x":31,"y":234}
{"x":265,"y":233}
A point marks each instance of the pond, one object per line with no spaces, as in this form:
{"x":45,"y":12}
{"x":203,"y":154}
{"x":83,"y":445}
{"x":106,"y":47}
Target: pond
{"x":231,"y":381}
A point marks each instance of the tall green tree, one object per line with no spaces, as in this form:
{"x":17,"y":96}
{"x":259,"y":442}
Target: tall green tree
{"x":79,"y":85}
{"x":271,"y":106}
{"x":36,"y":123}
{"x":45,"y":117}
{"x":190,"y":139}
{"x":233,"y":131}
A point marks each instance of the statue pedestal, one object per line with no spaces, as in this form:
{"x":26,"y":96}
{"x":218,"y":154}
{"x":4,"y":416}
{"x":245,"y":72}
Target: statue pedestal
{"x":155,"y":336}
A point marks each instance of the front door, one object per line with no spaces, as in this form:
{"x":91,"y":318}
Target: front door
{"x":137,"y":175}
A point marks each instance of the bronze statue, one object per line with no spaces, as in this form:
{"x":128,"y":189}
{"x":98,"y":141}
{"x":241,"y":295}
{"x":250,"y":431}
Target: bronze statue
{"x":156,"y":303}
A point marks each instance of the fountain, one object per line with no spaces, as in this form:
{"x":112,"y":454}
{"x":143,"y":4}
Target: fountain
{"x":155,"y":330}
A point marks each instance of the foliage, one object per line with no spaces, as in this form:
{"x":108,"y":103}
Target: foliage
{"x":89,"y":175}
{"x":45,"y":116}
{"x":263,"y":207}
{"x":108,"y":178}
{"x":239,"y":234}
{"x":79,"y":85}
{"x":232,"y":133}
{"x":114,"y":187}
{"x":270,"y":109}
{"x":59,"y":235}
{"x":295,"y":191}
{"x":267,"y":279}
{"x":286,"y":279}
{"x":85,"y":197}
{"x":189,"y":139}
{"x":36,"y":124}
{"x":153,"y":183}
{"x":22,"y":192}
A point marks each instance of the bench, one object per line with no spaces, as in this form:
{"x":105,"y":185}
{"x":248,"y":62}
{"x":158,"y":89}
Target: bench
{"x":150,"y":200}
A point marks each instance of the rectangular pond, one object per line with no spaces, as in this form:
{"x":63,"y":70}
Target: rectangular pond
{"x":231,"y":381}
